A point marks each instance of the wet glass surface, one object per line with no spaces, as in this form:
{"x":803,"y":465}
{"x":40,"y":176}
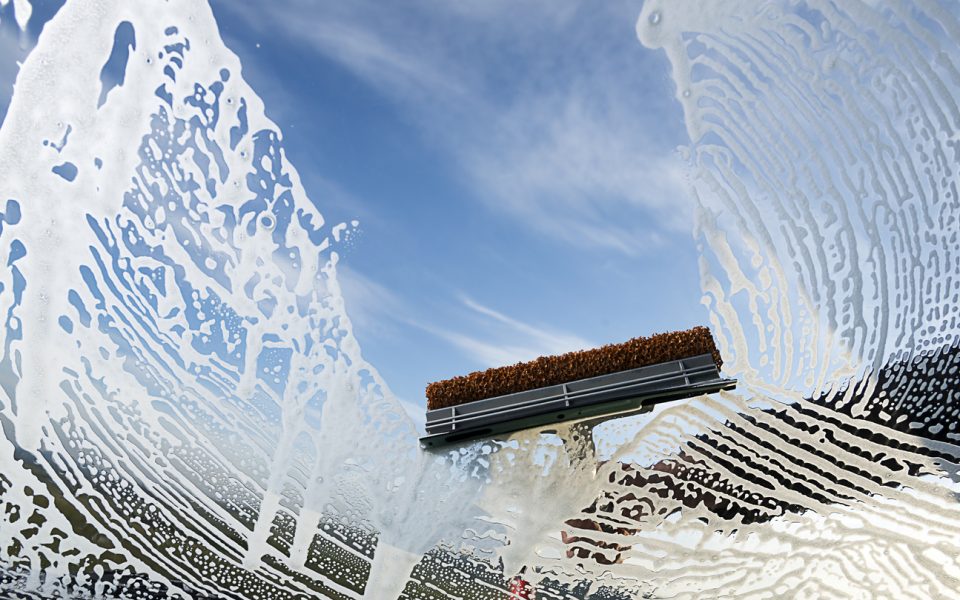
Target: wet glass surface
{"x":186,"y":411}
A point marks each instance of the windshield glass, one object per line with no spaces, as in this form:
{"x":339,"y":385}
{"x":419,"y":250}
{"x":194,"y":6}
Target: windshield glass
{"x":239,"y":239}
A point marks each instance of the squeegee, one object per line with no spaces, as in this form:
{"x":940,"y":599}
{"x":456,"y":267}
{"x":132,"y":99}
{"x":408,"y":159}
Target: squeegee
{"x":609,"y":381}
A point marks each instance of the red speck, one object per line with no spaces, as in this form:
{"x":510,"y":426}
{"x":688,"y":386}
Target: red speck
{"x":520,"y":589}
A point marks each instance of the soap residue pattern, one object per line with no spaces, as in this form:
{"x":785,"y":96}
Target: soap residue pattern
{"x":186,"y":412}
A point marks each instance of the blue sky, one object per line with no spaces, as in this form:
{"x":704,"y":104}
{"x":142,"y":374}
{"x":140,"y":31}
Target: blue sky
{"x":512,"y":166}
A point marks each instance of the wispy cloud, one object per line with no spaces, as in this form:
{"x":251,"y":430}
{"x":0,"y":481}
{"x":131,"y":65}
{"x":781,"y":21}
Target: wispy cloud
{"x":545,"y":120}
{"x":543,"y":339}
{"x":583,"y":173}
{"x":483,"y":335}
{"x":506,"y":340}
{"x":375,"y":59}
{"x":373,"y":309}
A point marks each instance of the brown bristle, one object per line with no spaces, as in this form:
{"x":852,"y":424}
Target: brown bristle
{"x":553,"y":370}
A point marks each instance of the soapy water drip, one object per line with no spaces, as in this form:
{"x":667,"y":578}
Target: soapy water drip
{"x":183,"y":394}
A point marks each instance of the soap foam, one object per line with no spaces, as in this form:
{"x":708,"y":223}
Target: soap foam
{"x":187,"y":413}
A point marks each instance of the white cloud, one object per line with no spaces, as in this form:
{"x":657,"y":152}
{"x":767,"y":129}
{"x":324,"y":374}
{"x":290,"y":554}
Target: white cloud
{"x":549,"y":136}
{"x":548,"y":341}
{"x":583,"y":174}
{"x":486,"y":353}
{"x":506,"y":340}
{"x":487,"y":336}
{"x":373,"y":309}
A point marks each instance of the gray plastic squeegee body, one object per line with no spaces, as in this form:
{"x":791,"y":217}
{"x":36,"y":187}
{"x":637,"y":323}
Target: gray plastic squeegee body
{"x":605,"y":395}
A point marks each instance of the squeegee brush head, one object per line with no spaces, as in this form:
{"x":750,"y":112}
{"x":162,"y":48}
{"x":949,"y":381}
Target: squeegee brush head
{"x":572,"y":366}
